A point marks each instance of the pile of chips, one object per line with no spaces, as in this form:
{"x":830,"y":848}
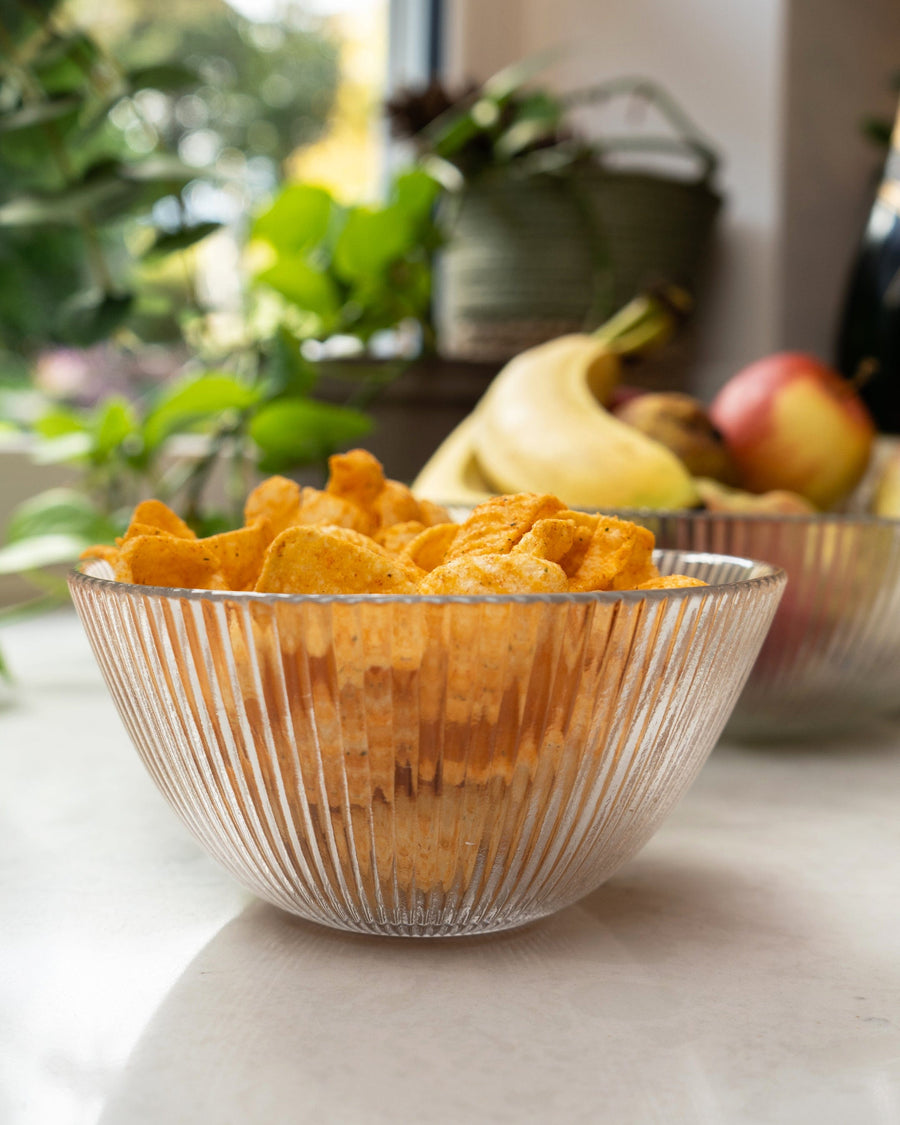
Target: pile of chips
{"x":364,"y":534}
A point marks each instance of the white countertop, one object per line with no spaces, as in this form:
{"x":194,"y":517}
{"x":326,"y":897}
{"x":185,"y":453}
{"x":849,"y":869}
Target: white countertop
{"x":744,"y":968}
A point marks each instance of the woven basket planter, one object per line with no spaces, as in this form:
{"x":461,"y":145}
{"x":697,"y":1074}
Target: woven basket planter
{"x":532,"y":258}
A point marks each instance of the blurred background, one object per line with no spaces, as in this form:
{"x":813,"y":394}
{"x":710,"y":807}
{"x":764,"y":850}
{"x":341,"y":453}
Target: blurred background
{"x":785,"y":88}
{"x":235,"y":236}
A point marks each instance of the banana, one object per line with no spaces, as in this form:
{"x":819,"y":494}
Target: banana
{"x":541,"y":427}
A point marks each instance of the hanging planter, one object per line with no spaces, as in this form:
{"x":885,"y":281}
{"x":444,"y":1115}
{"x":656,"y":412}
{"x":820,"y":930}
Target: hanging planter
{"x":546,"y":234}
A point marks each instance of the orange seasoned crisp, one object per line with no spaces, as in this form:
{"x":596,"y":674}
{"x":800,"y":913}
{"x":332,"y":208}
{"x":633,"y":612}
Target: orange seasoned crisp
{"x":166,"y":560}
{"x":274,"y":504}
{"x":152,"y":517}
{"x":497,"y":525}
{"x":327,"y":560}
{"x":496,"y":574}
{"x":364,"y":534}
{"x":429,"y":548}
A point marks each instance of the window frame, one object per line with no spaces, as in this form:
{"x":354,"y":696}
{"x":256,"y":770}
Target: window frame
{"x":416,"y":42}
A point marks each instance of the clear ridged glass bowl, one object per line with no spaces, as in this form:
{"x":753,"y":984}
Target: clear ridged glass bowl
{"x":831,"y":661}
{"x":428,"y":766}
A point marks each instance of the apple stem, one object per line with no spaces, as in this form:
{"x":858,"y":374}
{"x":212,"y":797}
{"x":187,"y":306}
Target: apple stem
{"x":645,"y":323}
{"x":865,"y":369}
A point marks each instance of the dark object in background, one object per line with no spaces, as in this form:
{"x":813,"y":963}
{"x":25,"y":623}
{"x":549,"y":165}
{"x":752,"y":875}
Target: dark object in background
{"x":870,"y":327}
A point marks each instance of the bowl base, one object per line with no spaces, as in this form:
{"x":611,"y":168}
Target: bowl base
{"x":453,"y":928}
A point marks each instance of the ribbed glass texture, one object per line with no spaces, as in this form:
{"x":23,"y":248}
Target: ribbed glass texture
{"x":832,"y":658}
{"x":427,"y":766}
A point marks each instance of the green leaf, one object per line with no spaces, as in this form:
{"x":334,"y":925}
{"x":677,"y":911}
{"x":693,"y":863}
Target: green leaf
{"x":449,"y":133}
{"x":65,"y":62}
{"x":370,"y":241}
{"x":167,"y":77}
{"x":59,"y":511}
{"x":212,"y":523}
{"x":415,"y":193}
{"x":89,"y":317}
{"x":537,"y":121}
{"x":23,"y":20}
{"x":104,"y":170}
{"x":115,"y":421}
{"x":172,"y":242}
{"x":298,"y":219}
{"x":193,"y":400}
{"x":287,"y":372}
{"x":303,"y":285}
{"x":42,"y":550}
{"x":292,"y":432}
{"x":502,"y":85}
{"x":59,"y":421}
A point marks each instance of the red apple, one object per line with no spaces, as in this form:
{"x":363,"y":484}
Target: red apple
{"x":793,"y":423}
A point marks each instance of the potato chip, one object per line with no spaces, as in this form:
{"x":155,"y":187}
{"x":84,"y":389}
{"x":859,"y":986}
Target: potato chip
{"x":586,"y":523}
{"x":360,"y":539}
{"x":365,"y":534}
{"x":429,"y":548}
{"x":356,"y":476}
{"x":396,"y":504}
{"x":670,"y":582}
{"x":135,"y":529}
{"x":240,"y":554}
{"x":103,"y":551}
{"x":495,"y":526}
{"x":323,"y":560}
{"x":518,"y":573}
{"x":398,"y":536}
{"x":151,"y":517}
{"x":586,"y":520}
{"x":618,"y":557}
{"x":552,"y":539}
{"x":275,"y":502}
{"x":165,"y":560}
{"x":432,"y":514}
{"x":318,"y":507}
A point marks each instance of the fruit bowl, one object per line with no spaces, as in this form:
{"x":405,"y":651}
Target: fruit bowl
{"x":428,"y":766}
{"x":832,"y":658}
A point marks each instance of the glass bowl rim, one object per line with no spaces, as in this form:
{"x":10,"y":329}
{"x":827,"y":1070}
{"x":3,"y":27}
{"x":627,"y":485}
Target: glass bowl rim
{"x":839,"y":519}
{"x":768,"y":574}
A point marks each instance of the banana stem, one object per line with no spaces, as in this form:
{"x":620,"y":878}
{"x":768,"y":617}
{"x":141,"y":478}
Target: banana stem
{"x":645,"y":323}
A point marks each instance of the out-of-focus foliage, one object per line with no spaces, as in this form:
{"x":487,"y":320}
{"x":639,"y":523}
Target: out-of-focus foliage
{"x":352,"y":270}
{"x":264,"y":89}
{"x":69,"y":185}
{"x":113,"y":159}
{"x":123,"y":451}
{"x":116,"y":160}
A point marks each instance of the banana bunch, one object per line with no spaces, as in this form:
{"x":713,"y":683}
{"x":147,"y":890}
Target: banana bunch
{"x":542,"y":427}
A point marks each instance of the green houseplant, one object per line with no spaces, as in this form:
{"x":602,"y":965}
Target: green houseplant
{"x":78,"y":234}
{"x":547,"y":232}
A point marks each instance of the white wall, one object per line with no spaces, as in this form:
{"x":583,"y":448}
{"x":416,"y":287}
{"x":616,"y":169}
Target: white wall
{"x":779,"y":85}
